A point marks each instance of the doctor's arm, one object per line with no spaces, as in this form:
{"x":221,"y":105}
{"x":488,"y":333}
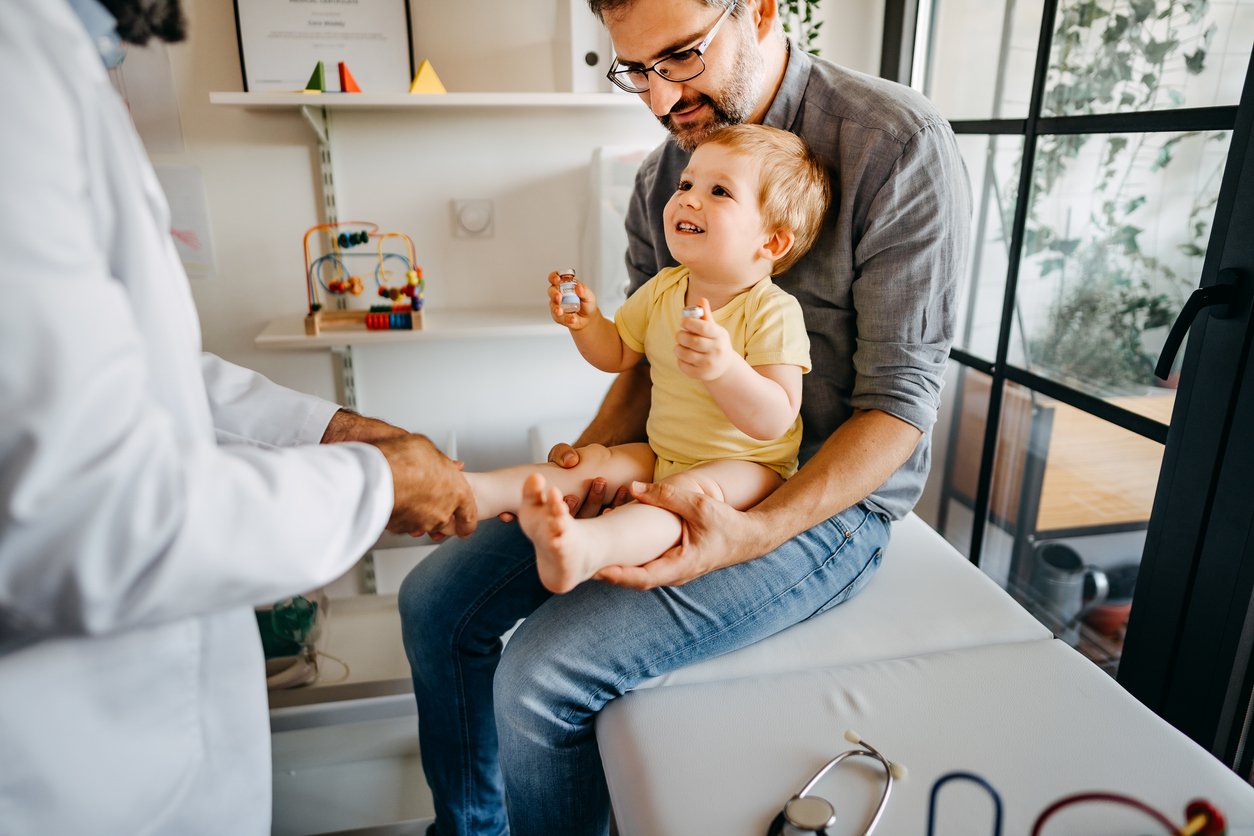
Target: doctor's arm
{"x":249,"y":407}
{"x":118,"y":509}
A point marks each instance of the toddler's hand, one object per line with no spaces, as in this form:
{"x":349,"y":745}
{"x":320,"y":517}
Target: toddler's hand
{"x":703,"y":347}
{"x":587,"y":305}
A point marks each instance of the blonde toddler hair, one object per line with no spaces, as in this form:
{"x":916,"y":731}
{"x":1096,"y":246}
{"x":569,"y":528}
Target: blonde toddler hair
{"x":794,"y":191}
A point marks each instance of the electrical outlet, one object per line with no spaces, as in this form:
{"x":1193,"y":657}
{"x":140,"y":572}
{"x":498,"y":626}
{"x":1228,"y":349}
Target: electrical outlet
{"x":473,"y":218}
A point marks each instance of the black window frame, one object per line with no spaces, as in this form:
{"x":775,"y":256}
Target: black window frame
{"x":1193,"y":610}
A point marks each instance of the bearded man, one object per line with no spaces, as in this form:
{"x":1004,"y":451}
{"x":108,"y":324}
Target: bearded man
{"x":508,"y":742}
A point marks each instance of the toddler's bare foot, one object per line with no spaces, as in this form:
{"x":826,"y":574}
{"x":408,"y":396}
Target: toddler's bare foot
{"x":562,"y":545}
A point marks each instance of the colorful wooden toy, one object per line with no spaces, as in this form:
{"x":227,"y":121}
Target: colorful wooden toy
{"x":330,"y":272}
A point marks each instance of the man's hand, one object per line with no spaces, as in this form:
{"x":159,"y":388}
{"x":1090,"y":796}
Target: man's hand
{"x":582,"y":507}
{"x":703,"y":347}
{"x":349,"y":426}
{"x":715,"y":535}
{"x":429,"y":488}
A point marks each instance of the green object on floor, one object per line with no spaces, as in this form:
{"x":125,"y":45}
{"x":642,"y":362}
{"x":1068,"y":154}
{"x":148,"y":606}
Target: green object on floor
{"x":285,"y":627}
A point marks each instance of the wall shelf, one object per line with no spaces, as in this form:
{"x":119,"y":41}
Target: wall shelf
{"x":287,"y":333}
{"x":389,"y":101}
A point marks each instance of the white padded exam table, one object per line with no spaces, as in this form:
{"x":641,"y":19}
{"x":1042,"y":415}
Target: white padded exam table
{"x":1034,"y":718}
{"x":936,"y":666}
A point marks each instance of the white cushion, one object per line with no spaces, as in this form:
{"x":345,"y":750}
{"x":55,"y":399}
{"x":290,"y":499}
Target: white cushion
{"x":924,"y":598}
{"x":1036,"y":719}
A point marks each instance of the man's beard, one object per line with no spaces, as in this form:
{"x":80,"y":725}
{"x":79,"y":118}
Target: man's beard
{"x":733,"y":105}
{"x":140,"y":20}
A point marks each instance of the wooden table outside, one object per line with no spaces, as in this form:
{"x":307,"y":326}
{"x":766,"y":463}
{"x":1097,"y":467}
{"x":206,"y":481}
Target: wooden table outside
{"x":1098,"y":474}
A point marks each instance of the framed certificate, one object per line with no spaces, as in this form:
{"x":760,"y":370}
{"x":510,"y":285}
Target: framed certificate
{"x":281,"y":41}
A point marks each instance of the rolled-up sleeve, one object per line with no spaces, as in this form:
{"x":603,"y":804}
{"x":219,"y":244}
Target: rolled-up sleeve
{"x":910,"y":263}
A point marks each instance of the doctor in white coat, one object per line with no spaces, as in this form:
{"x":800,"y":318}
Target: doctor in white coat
{"x":150,"y":494}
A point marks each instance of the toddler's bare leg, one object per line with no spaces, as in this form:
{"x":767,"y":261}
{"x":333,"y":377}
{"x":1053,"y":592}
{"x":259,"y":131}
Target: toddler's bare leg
{"x":499,"y":491}
{"x":569,"y":551}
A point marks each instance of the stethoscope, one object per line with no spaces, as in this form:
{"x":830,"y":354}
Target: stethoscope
{"x":805,"y":813}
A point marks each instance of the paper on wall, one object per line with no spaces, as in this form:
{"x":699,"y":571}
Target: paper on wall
{"x":184,"y":187}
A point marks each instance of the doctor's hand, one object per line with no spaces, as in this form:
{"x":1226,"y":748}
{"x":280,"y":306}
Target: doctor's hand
{"x":349,"y":426}
{"x":714,"y":535}
{"x":430,"y":491}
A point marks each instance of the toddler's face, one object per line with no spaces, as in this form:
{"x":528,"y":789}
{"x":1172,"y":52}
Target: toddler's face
{"x":713,"y":220}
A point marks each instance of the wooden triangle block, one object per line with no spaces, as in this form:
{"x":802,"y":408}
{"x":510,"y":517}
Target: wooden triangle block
{"x":317,"y":81}
{"x":348,"y":84}
{"x":426,"y":81}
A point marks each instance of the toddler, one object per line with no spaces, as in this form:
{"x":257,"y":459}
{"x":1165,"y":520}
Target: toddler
{"x":726,"y":385}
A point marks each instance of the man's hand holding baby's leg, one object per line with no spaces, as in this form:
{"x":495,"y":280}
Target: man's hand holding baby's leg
{"x":600,"y":471}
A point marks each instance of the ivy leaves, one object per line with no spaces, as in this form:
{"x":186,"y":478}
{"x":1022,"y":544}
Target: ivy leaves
{"x":1103,"y":55}
{"x":800,"y":13}
{"x":1108,"y":55}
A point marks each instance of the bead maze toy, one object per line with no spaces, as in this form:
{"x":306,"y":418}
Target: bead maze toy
{"x":402,"y":310}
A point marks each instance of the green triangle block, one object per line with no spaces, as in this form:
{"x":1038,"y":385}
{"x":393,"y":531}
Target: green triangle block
{"x":317,"y":81}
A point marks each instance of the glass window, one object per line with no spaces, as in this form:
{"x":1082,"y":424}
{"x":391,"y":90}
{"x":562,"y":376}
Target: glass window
{"x":1070,"y":502}
{"x":953,"y":477}
{"x":957,"y":443}
{"x":976,"y":52}
{"x":1134,"y":55}
{"x":993,"y":166}
{"x":1116,"y":235}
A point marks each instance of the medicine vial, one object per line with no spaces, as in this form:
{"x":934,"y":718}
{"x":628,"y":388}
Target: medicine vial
{"x":694,"y":311}
{"x":570,"y":300}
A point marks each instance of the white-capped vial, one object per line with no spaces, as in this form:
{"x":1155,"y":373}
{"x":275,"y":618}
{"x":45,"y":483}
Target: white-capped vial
{"x":695,"y":311}
{"x":570,"y":300}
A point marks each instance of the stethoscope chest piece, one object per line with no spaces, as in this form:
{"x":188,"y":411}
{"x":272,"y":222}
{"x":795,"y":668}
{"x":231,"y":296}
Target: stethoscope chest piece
{"x":805,"y":813}
{"x":810,"y":814}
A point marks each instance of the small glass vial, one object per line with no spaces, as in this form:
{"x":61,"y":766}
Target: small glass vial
{"x":694,"y":311}
{"x":570,"y":300}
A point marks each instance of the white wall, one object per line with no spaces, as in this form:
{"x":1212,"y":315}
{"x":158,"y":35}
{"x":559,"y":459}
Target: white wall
{"x":401,"y":170}
{"x":852,"y":33}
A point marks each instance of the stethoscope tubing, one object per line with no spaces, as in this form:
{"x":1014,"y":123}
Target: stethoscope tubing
{"x":963,"y":776}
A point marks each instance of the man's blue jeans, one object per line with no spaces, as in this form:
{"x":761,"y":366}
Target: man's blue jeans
{"x":518,"y":724}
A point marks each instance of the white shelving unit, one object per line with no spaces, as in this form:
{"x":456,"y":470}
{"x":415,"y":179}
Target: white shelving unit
{"x":387,"y":101}
{"x":288,"y":333}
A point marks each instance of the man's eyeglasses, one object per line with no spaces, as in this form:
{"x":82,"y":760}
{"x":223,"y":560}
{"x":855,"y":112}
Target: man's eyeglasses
{"x":678,"y":66}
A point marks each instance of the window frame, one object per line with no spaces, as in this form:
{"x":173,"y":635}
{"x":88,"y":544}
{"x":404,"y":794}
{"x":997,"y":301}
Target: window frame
{"x":1192,"y":616}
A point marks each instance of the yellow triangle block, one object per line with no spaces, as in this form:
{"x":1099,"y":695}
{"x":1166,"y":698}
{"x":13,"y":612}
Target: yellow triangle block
{"x":426,"y":81}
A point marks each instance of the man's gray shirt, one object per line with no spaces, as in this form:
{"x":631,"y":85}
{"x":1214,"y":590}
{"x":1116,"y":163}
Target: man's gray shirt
{"x":880,"y":284}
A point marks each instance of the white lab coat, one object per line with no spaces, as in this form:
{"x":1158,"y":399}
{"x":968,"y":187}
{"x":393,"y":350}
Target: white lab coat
{"x":134,"y":537}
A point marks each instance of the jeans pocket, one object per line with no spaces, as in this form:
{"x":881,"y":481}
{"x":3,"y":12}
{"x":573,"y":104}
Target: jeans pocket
{"x":854,"y":586}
